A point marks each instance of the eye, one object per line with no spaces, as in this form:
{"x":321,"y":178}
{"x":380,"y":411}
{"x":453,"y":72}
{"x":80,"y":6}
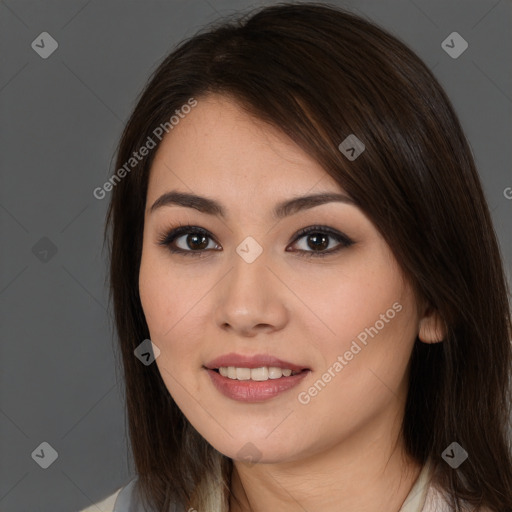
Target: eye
{"x":317,"y":238}
{"x":194,"y":237}
{"x":195,"y":241}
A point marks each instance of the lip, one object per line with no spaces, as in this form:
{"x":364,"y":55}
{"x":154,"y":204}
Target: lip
{"x":254,"y":361}
{"x":254,"y":391}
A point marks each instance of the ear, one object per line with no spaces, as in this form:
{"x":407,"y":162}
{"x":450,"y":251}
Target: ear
{"x":431,"y":327}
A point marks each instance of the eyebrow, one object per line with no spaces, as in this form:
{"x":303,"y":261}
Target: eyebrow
{"x":281,"y":210}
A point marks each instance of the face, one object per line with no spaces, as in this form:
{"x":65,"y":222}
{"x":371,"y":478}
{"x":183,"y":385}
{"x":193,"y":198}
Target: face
{"x":332,"y":301}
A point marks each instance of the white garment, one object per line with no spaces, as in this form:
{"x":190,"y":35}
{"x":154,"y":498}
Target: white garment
{"x":423,"y":497}
{"x":107,"y":505}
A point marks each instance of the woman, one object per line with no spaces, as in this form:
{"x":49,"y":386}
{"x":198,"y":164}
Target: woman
{"x":308,"y":291}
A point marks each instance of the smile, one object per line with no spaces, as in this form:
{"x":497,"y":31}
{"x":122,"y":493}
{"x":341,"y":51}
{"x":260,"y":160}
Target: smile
{"x":265,"y":384}
{"x":258,"y":374}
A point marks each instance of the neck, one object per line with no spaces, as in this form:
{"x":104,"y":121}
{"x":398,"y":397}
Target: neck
{"x":357,"y":475}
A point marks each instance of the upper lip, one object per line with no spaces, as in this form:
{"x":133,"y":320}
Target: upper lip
{"x":254,"y":361}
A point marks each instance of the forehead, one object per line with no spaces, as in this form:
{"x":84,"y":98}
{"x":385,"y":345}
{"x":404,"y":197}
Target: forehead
{"x":219,"y":149}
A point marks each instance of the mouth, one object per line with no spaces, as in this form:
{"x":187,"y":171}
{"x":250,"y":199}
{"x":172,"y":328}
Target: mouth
{"x":256,"y":366}
{"x":259,"y":374}
{"x":254,"y":384}
{"x":254,"y":378}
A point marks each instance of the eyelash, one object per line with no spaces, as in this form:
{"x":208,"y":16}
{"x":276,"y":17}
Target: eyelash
{"x":167,"y":238}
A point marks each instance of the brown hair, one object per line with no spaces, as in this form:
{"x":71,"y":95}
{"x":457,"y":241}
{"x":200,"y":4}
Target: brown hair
{"x":320,"y":73}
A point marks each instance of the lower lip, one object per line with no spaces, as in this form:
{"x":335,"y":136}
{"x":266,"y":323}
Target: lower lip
{"x":252,"y":390}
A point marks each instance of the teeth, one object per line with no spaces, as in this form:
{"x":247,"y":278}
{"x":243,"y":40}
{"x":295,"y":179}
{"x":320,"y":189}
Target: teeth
{"x":259,"y":374}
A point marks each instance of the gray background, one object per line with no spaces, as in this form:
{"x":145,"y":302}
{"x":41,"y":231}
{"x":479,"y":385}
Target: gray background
{"x":60,"y":120}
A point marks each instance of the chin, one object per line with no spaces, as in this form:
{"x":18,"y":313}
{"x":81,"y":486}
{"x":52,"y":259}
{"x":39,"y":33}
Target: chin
{"x":256,"y":449}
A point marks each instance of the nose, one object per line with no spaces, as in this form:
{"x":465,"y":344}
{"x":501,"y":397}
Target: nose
{"x":251,"y":299}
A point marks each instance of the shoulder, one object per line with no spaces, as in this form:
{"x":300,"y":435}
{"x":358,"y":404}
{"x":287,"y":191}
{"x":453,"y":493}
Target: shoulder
{"x":106,"y":505}
{"x":436,"y":502}
{"x":125,"y":499}
{"x":425,"y":496}
{"x":128,"y":500}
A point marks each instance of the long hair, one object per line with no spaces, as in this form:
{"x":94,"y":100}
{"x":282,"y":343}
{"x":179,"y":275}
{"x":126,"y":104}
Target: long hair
{"x":319,"y":74}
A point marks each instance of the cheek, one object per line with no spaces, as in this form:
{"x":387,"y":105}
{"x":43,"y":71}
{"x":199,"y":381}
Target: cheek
{"x":342,"y":301}
{"x":167,"y":314}
{"x":165,"y":297}
{"x":173,"y":304}
{"x":359,"y":306}
{"x":366,"y":314}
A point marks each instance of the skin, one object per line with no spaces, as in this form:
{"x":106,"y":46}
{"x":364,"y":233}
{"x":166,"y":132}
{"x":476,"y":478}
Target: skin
{"x":342,"y":450}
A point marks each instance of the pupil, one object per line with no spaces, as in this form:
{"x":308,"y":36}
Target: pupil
{"x":322,"y":245}
{"x":197,"y":245}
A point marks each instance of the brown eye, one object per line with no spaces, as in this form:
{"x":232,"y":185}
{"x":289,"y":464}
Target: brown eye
{"x":318,"y":239}
{"x":195,"y":240}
